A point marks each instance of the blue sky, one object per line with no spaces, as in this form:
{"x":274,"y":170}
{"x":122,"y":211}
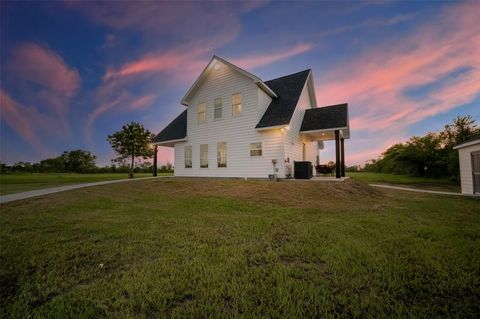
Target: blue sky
{"x":74,"y":72}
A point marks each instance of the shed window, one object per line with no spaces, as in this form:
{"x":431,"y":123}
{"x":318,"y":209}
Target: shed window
{"x":188,"y":156}
{"x":217,"y":108}
{"x":222,"y":154}
{"x":255,"y":149}
{"x":201,"y":112}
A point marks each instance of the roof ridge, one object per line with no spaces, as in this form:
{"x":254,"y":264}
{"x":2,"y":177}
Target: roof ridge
{"x":284,"y":76}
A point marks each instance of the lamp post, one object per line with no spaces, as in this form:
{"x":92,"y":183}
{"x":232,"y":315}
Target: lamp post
{"x":155,"y":149}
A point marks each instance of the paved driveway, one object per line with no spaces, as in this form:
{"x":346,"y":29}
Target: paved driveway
{"x":51,"y":190}
{"x":419,"y":190}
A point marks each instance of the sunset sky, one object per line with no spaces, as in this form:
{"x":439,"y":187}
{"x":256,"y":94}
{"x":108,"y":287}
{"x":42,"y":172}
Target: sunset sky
{"x":74,"y":72}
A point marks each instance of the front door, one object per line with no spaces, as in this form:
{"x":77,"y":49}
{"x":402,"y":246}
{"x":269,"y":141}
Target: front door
{"x":476,"y":172}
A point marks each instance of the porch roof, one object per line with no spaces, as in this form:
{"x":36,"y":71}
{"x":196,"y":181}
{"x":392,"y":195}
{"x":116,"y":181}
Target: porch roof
{"x":322,"y":122}
{"x":173,"y":132}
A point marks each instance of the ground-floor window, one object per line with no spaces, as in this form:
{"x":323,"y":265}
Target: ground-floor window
{"x":255,"y":149}
{"x":204,"y":155}
{"x":188,"y":156}
{"x":222,"y":154}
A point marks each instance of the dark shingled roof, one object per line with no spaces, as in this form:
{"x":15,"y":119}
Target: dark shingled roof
{"x":176,"y":130}
{"x":327,"y":117}
{"x":288,"y":88}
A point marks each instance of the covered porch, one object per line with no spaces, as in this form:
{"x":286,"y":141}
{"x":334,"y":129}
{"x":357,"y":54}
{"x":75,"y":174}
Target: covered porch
{"x":329,"y":123}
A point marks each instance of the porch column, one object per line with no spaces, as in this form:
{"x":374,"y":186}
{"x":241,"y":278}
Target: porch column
{"x":154,"y":168}
{"x":337,"y":154}
{"x":342,"y":155}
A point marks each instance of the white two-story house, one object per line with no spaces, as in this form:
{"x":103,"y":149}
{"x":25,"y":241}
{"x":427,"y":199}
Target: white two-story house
{"x":236,"y":125}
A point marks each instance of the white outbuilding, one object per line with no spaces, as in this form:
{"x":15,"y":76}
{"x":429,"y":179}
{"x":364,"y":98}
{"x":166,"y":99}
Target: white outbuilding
{"x":469,"y":157}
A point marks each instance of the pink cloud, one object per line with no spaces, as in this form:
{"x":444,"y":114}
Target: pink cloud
{"x":168,"y":17}
{"x":28,"y":122}
{"x":374,"y":83}
{"x":54,"y":81}
{"x":143,"y":102}
{"x":121,"y":99}
{"x":155,"y":62}
{"x":264,"y":59}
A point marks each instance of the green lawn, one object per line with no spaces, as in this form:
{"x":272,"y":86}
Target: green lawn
{"x":222,"y":248}
{"x":408,"y":181}
{"x":22,"y":182}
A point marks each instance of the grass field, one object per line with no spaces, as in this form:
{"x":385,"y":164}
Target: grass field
{"x":18,"y":182}
{"x":408,"y":181}
{"x":222,"y":248}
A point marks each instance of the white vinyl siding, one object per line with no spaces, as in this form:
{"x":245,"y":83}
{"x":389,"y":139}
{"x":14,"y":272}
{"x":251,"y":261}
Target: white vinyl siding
{"x":255,"y":149}
{"x":217,"y":108}
{"x":221,"y":154}
{"x":188,"y":156}
{"x":236,"y":104}
{"x":465,"y":161}
{"x":202,"y":109}
{"x":204,"y":156}
{"x":237,"y":132}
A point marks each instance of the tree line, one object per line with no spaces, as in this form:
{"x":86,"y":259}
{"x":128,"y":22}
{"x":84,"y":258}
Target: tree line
{"x":79,"y":161}
{"x":132,"y":145}
{"x":431,"y":155}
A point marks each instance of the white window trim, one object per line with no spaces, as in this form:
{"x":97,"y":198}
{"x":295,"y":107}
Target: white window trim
{"x":203,"y":158}
{"x":241,"y":104}
{"x":185,"y":156}
{"x":261,"y":149}
{"x":220,"y":108}
{"x":204,"y":113}
{"x":226,"y":155}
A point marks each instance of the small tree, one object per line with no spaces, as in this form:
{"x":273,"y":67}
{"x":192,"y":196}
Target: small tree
{"x":132,"y":141}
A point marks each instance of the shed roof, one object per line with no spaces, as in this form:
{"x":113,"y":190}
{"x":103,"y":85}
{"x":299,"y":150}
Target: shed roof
{"x":472,"y":141}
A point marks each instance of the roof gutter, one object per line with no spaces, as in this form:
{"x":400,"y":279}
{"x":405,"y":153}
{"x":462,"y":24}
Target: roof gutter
{"x":271,"y":127}
{"x":325,"y":130}
{"x":171,"y":141}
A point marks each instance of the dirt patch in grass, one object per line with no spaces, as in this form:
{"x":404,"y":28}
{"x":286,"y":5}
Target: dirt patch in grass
{"x":294,"y":194}
{"x":285,"y":194}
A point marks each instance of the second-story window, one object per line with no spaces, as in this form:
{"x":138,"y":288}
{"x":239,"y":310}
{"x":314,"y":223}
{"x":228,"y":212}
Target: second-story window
{"x":236,"y":104}
{"x":217,"y":108}
{"x":202,"y":112}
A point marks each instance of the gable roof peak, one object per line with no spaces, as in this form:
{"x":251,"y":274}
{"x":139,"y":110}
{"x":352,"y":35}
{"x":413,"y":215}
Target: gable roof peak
{"x":211,"y":64}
